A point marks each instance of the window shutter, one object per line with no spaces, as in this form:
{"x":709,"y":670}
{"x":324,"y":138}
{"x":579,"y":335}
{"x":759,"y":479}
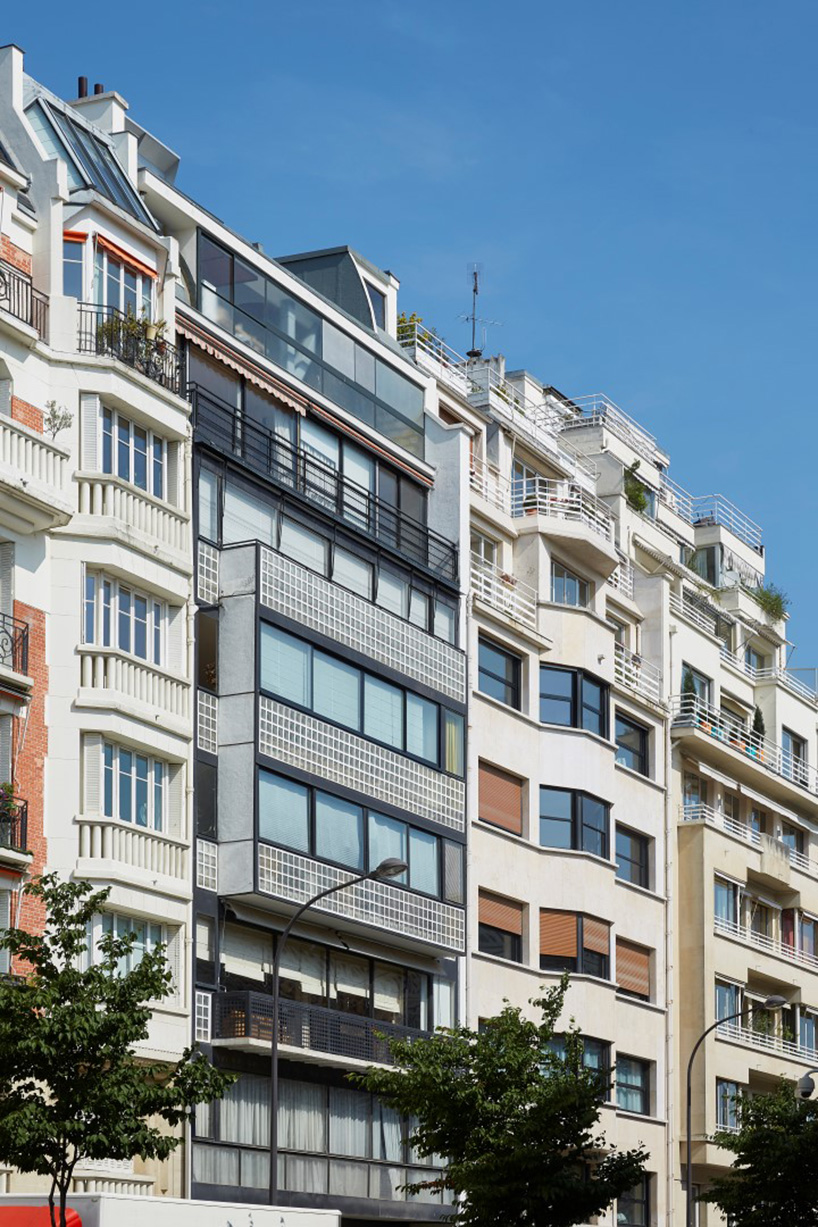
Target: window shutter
{"x":5,"y":397}
{"x":501,"y":799}
{"x":6,"y":767}
{"x":558,"y":934}
{"x":505,"y":914}
{"x":453,"y":871}
{"x":176,"y":964}
{"x":175,"y":640}
{"x":596,"y":935}
{"x":177,"y":826}
{"x":92,"y":774}
{"x":5,"y":921}
{"x":89,"y":431}
{"x":7,"y":578}
{"x":632,"y":967}
{"x":173,"y":493}
{"x":788,"y":926}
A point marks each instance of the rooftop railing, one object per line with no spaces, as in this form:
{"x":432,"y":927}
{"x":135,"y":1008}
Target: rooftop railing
{"x":305,"y":474}
{"x":115,"y":334}
{"x":20,"y":299}
{"x":599,"y":410}
{"x":13,"y":643}
{"x":433,"y":355}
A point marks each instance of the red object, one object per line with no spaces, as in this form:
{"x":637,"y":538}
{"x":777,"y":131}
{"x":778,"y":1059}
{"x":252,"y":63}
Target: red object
{"x":35,"y":1216}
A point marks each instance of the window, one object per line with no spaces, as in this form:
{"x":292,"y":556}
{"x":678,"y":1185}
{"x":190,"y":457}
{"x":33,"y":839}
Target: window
{"x":728,"y":1000}
{"x":500,"y":927}
{"x":500,"y":799}
{"x":632,"y":857}
{"x":573,"y":820}
{"x":633,"y":1207}
{"x":697,"y":683}
{"x":72,"y":266}
{"x":148,"y":937}
{"x":135,"y":454}
{"x":633,"y":969}
{"x":727,"y":1104}
{"x":807,"y":1030}
{"x":754,"y":661}
{"x":596,"y":1055}
{"x":794,"y":756}
{"x":568,"y":588}
{"x":499,"y":673}
{"x":483,"y":550}
{"x":573,"y":699}
{"x":118,"y":616}
{"x":571,"y":942}
{"x":631,"y":744}
{"x":792,"y":837}
{"x":633,"y":1085}
{"x":319,"y":824}
{"x":695,"y":792}
{"x":377,"y":301}
{"x":335,"y":690}
{"x":725,"y":902}
{"x":134,"y":787}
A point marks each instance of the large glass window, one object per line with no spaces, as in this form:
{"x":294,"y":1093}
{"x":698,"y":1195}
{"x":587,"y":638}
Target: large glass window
{"x":631,"y":744}
{"x":633,"y":1085}
{"x":148,"y":937}
{"x":134,"y":787}
{"x":633,"y":1207}
{"x":72,"y":266}
{"x":728,"y":1096}
{"x":632,"y":857}
{"x":573,"y":699}
{"x":572,"y":942}
{"x":576,"y":820}
{"x":339,"y":831}
{"x":133,"y":453}
{"x":499,"y":673}
{"x":283,"y":811}
{"x":725,"y":902}
{"x":117,"y":616}
{"x":568,"y":588}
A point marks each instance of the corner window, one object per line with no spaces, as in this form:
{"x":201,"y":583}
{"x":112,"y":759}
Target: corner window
{"x":134,"y":787}
{"x":573,"y":820}
{"x":633,"y":1085}
{"x":132,"y":452}
{"x":632,"y":857}
{"x":573,"y":699}
{"x":499,"y":673}
{"x":631,"y":744}
{"x":568,"y":588}
{"x":572,"y":942}
{"x":500,"y":927}
{"x":115,"y":615}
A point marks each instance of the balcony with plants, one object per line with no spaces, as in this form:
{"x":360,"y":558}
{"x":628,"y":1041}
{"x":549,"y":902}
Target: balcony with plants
{"x":13,"y":827}
{"x":137,"y":341}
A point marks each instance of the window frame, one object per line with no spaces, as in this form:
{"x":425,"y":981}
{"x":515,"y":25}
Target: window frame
{"x":564,"y":577}
{"x":577,"y":822}
{"x":585,"y":958}
{"x":103,"y":278}
{"x":641,"y":757}
{"x":576,"y":704}
{"x":513,"y":687}
{"x":642,"y":1087}
{"x":157,"y":784}
{"x":110,"y":440}
{"x":105,"y":613}
{"x":641,"y":1200}
{"x":645,"y":841}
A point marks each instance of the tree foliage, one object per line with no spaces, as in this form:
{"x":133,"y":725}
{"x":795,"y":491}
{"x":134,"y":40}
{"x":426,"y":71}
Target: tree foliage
{"x":70,"y":1084}
{"x":773,"y":1180}
{"x":517,"y":1120}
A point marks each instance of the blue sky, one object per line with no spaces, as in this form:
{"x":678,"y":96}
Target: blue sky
{"x":638,"y":181}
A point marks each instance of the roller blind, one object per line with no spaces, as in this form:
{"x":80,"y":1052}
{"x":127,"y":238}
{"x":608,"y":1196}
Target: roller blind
{"x":596,"y":935}
{"x":500,"y":913}
{"x":501,"y":799}
{"x":558,"y":934}
{"x":633,"y":967}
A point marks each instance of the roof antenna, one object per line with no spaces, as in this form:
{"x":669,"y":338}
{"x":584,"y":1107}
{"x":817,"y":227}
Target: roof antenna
{"x":474,"y":272}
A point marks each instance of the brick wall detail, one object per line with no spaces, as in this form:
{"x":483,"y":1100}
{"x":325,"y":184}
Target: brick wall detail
{"x":29,"y":415}
{"x":14,"y":255}
{"x":29,"y":748}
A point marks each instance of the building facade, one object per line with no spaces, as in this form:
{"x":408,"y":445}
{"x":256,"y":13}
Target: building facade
{"x":288,"y":587}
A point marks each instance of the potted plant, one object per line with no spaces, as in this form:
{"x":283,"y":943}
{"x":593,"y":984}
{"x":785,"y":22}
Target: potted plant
{"x":689,"y":697}
{"x":636,"y":492}
{"x":9,"y":809}
{"x":756,"y":746}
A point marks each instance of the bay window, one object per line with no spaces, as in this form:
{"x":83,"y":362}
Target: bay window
{"x":121,"y":285}
{"x":134,"y":787}
{"x":116,"y":615}
{"x":132,"y":452}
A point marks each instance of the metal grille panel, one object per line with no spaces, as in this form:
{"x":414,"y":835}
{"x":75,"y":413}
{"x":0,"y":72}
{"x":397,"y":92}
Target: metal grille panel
{"x":207,"y":573}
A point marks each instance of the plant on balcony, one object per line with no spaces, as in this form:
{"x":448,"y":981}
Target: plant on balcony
{"x":772,"y":1179}
{"x":9,"y":809}
{"x":134,"y":338}
{"x":58,"y":418}
{"x":409,"y":329}
{"x":71,"y":1087}
{"x":636,"y":492}
{"x":517,"y":1119}
{"x":772,"y":600}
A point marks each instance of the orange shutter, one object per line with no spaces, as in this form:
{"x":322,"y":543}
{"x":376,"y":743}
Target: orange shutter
{"x":125,"y":256}
{"x":596,"y":935}
{"x":503,"y":914}
{"x":501,"y":799}
{"x":558,"y":934}
{"x":633,"y":968}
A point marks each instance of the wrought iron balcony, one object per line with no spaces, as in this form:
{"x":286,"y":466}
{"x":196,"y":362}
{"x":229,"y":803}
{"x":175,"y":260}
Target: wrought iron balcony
{"x":14,"y":825}
{"x":114,"y":334}
{"x":217,"y":423}
{"x":249,"y":1015}
{"x":20,"y":299}
{"x":13,"y":643}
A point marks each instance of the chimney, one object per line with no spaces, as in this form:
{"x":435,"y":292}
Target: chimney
{"x":82,"y":87}
{"x":99,"y":89}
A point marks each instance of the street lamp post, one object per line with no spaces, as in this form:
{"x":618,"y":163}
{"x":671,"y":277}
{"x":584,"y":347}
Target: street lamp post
{"x":772,"y":1003}
{"x":805,"y":1085}
{"x":390,"y":868}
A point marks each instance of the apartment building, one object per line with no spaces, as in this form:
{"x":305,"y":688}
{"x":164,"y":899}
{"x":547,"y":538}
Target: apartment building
{"x":95,"y":548}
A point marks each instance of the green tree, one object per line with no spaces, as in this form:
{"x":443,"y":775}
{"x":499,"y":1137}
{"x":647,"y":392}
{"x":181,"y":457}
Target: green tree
{"x":773,"y":1180}
{"x":70,"y":1084}
{"x":516,"y":1119}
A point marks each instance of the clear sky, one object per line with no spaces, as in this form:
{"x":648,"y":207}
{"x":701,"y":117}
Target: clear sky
{"x":637,"y":178}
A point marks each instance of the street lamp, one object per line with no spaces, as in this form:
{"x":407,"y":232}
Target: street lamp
{"x":771,"y":1003}
{"x":805,"y":1086}
{"x":390,"y":868}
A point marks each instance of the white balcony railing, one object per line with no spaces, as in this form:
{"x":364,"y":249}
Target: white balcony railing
{"x":36,"y":468}
{"x":144,"y":684}
{"x":740,"y":830}
{"x":487,"y":480}
{"x":621,"y":578}
{"x":433,"y":355}
{"x":290,"y":876}
{"x":689,"y":711}
{"x":760,"y":941}
{"x":696,"y":610}
{"x":563,"y":501}
{"x":504,"y":592}
{"x":599,"y":410}
{"x":766,"y":1043}
{"x":343,"y":616}
{"x":783,"y":677}
{"x":710,"y":509}
{"x":110,"y":840}
{"x":637,"y":674}
{"x":108,"y":495}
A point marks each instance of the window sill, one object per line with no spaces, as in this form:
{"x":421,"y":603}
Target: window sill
{"x":637,"y":775}
{"x":644,"y":1116}
{"x":641,"y":890}
{"x":651,"y":1006}
{"x":569,"y":728}
{"x":501,"y":962}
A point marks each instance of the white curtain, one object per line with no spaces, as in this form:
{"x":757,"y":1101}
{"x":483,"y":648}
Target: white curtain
{"x":302,"y":1122}
{"x":348,"y":1122}
{"x":387,"y":1140}
{"x":215,"y":1165}
{"x":245,"y":1111}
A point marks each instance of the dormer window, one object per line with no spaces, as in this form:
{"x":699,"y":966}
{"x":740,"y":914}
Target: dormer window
{"x":377,"y":301}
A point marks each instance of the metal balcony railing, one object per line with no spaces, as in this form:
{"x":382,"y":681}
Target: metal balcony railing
{"x":114,"y":334}
{"x":14,"y":825}
{"x":20,"y":299}
{"x":621,"y":578}
{"x":740,"y":830}
{"x":599,"y":410}
{"x":761,"y":941}
{"x":13,"y":643}
{"x":504,"y":591}
{"x":766,"y":1042}
{"x":249,"y":1015}
{"x":637,"y":674}
{"x":299,"y":471}
{"x":560,"y":500}
{"x":691,"y":711}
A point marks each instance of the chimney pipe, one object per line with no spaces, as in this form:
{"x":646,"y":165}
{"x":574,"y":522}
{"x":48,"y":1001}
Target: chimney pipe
{"x":99,"y":89}
{"x":82,"y":87}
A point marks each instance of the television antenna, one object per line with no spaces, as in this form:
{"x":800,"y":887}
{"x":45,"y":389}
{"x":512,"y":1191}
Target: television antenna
{"x":474,"y":273}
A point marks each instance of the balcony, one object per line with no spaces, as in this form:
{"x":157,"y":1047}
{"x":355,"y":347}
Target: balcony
{"x":504,"y":592}
{"x":763,"y":1042}
{"x":696,"y":609}
{"x":782,"y":677}
{"x":748,"y":834}
{"x":563,"y":501}
{"x":142,"y":515}
{"x":135,"y":847}
{"x":33,"y":479}
{"x":487,"y":481}
{"x":371,"y":903}
{"x":110,"y":678}
{"x":13,"y":645}
{"x":638,"y":675}
{"x":14,"y":827}
{"x":435,"y":357}
{"x":111,"y":333}
{"x":315,"y":1029}
{"x":770,"y":945}
{"x":296,"y":470}
{"x":691,"y":715}
{"x":621,"y":578}
{"x":342,"y":616}
{"x":599,"y":410}
{"x":19,"y":298}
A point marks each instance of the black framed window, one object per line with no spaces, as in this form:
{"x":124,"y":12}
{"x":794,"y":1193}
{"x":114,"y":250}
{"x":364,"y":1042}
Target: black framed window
{"x":568,"y":588}
{"x":596,"y":1056}
{"x":573,"y":820}
{"x":572,"y":942}
{"x":631,"y":744}
{"x":633,"y":1085}
{"x":499,"y":673}
{"x":633,"y":1207}
{"x":503,"y":945}
{"x":632,"y":857}
{"x":573,"y":699}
